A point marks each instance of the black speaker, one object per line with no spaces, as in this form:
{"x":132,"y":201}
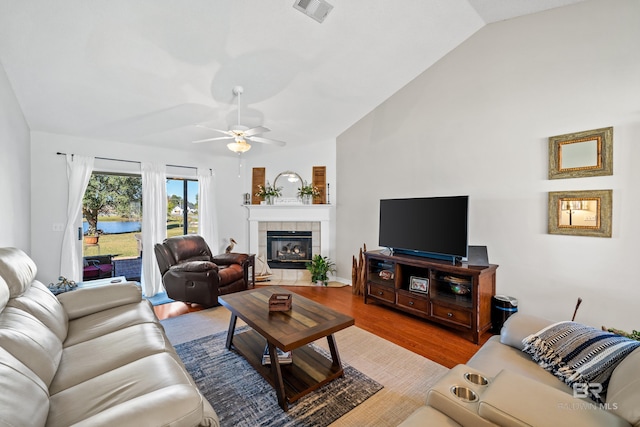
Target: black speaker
{"x":478,"y":257}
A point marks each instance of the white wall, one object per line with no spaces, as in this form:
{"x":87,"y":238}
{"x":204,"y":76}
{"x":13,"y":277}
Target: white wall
{"x":15,"y":182}
{"x":49,"y":189}
{"x":478,"y":123}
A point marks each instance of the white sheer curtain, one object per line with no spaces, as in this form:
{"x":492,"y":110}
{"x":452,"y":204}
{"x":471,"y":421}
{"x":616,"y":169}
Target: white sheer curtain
{"x":154,"y":223}
{"x":207,"y":214}
{"x":79,"y":170}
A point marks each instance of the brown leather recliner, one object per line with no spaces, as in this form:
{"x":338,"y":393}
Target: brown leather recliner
{"x":190,"y":272}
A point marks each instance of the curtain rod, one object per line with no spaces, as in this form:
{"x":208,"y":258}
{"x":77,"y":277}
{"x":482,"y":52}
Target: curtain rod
{"x":132,"y":161}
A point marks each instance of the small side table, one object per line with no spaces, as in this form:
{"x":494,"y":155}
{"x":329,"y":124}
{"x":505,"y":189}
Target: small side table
{"x":91,"y":284}
{"x":102,"y":282}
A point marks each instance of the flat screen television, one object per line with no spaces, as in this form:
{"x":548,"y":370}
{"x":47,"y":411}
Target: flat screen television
{"x":435,"y":227}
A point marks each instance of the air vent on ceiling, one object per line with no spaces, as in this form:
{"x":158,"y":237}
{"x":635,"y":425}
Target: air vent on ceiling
{"x":316,"y":9}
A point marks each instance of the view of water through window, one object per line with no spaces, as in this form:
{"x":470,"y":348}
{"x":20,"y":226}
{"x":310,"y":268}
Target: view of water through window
{"x":112,"y":222}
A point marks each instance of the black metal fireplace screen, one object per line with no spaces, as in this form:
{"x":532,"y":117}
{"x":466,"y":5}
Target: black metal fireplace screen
{"x":288,"y":249}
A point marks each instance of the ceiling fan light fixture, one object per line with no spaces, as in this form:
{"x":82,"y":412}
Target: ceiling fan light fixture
{"x":239,"y":147}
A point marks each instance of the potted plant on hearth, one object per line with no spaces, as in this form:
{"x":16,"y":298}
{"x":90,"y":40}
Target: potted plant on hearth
{"x":269,"y":192}
{"x":320,"y":267}
{"x":308,"y":192}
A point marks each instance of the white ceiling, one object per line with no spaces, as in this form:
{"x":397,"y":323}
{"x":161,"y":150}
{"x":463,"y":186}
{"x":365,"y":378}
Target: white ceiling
{"x":147,"y":71}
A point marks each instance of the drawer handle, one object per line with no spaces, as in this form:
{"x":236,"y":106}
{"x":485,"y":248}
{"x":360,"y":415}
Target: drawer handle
{"x":380,"y":292}
{"x":449,"y":314}
{"x":410,"y":302}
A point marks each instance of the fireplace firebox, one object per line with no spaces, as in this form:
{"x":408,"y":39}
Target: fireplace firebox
{"x":288,"y":249}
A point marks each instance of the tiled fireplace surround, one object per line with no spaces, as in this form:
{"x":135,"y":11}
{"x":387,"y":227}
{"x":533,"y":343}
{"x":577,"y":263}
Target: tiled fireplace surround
{"x":314,"y":218}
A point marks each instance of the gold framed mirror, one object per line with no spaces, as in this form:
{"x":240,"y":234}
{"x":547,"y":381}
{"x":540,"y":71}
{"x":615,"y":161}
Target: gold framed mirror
{"x":581,"y":154}
{"x":580,"y":213}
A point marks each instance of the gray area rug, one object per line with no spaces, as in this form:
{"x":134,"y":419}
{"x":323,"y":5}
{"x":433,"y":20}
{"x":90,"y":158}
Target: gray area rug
{"x":405,"y":375}
{"x":241,"y":397}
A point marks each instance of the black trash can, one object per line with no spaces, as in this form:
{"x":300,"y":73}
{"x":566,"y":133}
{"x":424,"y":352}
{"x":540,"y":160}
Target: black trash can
{"x":502,"y":307}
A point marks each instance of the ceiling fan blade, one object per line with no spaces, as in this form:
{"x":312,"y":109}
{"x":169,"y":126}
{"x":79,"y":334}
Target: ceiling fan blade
{"x":256,"y":130}
{"x":213,"y":139}
{"x":267,"y":140}
{"x":226,"y":132}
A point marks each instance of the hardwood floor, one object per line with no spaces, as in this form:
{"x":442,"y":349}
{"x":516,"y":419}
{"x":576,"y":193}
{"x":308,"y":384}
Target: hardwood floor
{"x":430,"y":340}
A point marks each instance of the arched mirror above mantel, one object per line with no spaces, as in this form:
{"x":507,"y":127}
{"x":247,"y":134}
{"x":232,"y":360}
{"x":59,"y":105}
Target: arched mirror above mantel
{"x":289,"y":182}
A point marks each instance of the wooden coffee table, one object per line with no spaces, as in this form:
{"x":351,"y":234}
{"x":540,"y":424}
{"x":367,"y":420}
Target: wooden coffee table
{"x":290,"y":330}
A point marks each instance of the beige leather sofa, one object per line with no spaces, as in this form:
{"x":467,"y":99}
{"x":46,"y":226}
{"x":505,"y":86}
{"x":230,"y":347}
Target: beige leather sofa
{"x":90,"y":357}
{"x":520,"y":393}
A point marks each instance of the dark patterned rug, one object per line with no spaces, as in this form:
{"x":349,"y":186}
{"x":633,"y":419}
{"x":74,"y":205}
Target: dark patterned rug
{"x":241,"y":397}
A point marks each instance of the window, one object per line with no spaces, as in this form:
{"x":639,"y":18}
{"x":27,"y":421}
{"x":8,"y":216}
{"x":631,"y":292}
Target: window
{"x":182,"y":206}
{"x":112,"y":213}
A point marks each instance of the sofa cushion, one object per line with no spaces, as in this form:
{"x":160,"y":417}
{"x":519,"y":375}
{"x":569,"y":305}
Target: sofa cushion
{"x":31,"y":342}
{"x":44,"y":306}
{"x":85,"y":301}
{"x":494,"y":357}
{"x":195,"y":266}
{"x":577,"y":353}
{"x":519,"y":327}
{"x":116,"y":349}
{"x":623,"y":393}
{"x":107,"y":321}
{"x":17,"y":269}
{"x":231,"y":273}
{"x":228,"y":258}
{"x":24,"y":400}
{"x":4,"y":293}
{"x":130,"y":389}
{"x":90,"y":272}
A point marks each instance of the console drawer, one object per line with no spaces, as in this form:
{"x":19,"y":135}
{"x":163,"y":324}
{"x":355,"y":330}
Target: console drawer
{"x":452,"y":315}
{"x":382,"y":292}
{"x":413,"y":302}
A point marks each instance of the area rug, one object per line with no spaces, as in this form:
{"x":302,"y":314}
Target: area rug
{"x":242,"y":397}
{"x":406,"y":376}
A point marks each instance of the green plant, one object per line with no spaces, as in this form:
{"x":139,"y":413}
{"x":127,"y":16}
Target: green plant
{"x":320,"y":267}
{"x":308,"y":190}
{"x":635,"y":335}
{"x":268,"y":191}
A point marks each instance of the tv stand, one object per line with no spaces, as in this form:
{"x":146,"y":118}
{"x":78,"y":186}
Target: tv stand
{"x":454,"y":295}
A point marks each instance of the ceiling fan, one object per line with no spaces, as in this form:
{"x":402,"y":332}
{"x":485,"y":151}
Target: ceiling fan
{"x":241,"y":134}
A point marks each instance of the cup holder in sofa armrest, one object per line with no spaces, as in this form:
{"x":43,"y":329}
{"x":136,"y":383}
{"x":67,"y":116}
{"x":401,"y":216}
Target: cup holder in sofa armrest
{"x":516,"y":400}
{"x":464,"y":393}
{"x":458,"y":396}
{"x":475,"y":378}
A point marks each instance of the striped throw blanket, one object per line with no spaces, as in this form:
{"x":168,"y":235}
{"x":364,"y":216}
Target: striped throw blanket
{"x":576,"y":353}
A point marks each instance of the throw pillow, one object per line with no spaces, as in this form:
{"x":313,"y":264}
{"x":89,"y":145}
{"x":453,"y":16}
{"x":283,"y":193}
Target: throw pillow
{"x":576,"y":353}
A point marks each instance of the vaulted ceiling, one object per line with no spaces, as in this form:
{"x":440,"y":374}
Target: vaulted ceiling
{"x":148,"y":71}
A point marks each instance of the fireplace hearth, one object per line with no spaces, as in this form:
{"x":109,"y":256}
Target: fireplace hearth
{"x":288,"y":249}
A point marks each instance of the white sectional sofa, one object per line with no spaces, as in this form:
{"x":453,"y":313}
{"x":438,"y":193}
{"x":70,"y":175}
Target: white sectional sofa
{"x":520,"y":393}
{"x":89,"y":357}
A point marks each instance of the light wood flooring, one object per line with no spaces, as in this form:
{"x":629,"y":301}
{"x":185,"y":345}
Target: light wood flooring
{"x":435,"y":342}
